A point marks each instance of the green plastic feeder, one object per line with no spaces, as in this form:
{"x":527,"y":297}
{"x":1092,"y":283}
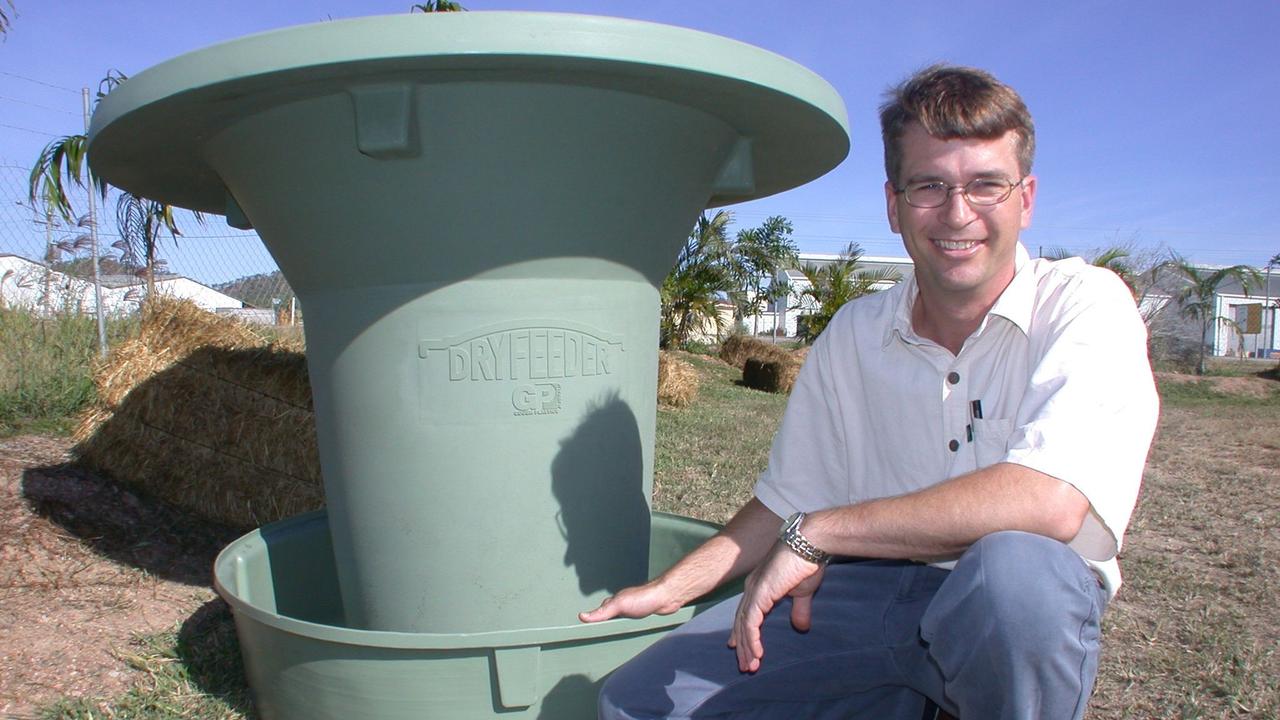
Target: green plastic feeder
{"x":476,"y":211}
{"x":302,"y":661}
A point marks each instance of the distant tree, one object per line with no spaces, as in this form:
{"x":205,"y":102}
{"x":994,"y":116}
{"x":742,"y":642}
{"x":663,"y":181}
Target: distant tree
{"x":836,"y":283}
{"x":759,"y":254}
{"x":61,"y":239}
{"x":701,"y":278}
{"x":436,"y":6}
{"x":261,"y":291}
{"x":81,"y":267}
{"x":1198,"y":293}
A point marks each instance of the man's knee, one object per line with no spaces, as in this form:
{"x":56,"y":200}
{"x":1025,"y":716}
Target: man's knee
{"x":1021,"y":587}
{"x":1021,"y":607}
{"x":1023,"y":572}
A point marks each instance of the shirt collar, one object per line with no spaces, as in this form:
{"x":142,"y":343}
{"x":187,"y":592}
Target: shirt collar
{"x":1014,"y":304}
{"x":1017,"y":300}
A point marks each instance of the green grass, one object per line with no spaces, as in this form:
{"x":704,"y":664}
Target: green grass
{"x":707,"y":456}
{"x":1205,"y":393}
{"x":1197,"y":392}
{"x":45,"y":369}
{"x":1237,"y":367}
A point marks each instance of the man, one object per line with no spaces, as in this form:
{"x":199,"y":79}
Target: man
{"x":967,"y":446}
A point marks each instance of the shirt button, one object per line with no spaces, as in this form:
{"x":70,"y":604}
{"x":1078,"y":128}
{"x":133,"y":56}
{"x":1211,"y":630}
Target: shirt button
{"x":954,"y":445}
{"x":953,"y":377}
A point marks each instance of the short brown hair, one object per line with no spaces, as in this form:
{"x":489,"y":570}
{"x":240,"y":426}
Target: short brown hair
{"x":952,"y":102}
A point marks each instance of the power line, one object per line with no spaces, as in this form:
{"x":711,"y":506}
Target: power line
{"x":38,"y":82}
{"x":38,"y":105}
{"x":35,"y":132}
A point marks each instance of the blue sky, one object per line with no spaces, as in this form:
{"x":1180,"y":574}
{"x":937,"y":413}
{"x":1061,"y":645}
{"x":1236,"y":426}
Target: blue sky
{"x":1156,"y":121}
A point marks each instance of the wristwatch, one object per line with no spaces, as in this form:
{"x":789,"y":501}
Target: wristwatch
{"x":791,"y":536}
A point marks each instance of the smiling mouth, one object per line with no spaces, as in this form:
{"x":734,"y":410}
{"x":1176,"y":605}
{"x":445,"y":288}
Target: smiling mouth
{"x":956,"y":244}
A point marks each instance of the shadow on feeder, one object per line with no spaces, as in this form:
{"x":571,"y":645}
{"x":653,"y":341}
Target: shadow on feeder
{"x":598,"y":479}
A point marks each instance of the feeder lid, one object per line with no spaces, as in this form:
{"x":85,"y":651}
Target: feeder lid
{"x":148,"y":135}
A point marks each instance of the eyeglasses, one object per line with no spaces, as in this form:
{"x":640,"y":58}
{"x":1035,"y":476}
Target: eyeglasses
{"x":978,"y":191}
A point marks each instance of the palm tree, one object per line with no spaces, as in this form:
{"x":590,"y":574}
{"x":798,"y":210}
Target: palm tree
{"x":699,"y":280}
{"x":834,"y":284}
{"x":62,"y":160}
{"x":1198,"y":295}
{"x":68,"y":154}
{"x":1115,"y":259}
{"x":760,"y":254}
{"x":141,"y":221}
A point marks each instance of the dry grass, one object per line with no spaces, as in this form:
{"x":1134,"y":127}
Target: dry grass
{"x":1193,"y":633}
{"x":775,"y":376}
{"x":738,"y":349}
{"x":677,"y":380}
{"x":206,"y":413}
{"x":764,"y":365}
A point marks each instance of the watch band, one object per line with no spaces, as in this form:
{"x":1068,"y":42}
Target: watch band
{"x":798,"y":543}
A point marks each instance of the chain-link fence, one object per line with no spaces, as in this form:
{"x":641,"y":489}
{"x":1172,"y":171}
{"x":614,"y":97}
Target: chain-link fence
{"x":41,"y":255}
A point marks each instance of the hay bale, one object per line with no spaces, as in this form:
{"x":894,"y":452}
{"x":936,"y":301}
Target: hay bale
{"x":737,"y":349}
{"x":677,"y":381}
{"x":775,"y":376}
{"x":205,"y":413}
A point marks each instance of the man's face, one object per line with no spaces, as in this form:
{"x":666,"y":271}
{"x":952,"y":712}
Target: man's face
{"x":962,"y":252}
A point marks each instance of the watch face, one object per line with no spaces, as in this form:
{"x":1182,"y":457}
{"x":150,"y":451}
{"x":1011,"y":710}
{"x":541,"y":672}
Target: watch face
{"x":792,"y":523}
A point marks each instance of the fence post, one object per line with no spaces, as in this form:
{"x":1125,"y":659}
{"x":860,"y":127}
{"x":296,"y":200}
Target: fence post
{"x":93,"y":234}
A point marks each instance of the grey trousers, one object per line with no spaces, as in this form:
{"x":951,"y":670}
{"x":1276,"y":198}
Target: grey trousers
{"x":1011,"y":632}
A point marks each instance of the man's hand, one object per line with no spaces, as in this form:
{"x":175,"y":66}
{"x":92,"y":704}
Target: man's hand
{"x":782,"y":573}
{"x":633,"y":602}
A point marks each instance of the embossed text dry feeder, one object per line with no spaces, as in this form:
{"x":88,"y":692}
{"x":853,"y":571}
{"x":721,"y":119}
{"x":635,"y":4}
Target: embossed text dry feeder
{"x":476,"y":211}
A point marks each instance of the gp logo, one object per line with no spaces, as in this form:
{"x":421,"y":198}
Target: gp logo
{"x":536,"y":399}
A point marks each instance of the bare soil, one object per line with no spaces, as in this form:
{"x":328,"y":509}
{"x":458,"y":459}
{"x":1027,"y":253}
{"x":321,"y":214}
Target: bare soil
{"x":86,"y":565}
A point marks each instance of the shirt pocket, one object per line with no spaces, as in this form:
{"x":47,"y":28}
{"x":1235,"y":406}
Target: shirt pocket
{"x":991,"y":440}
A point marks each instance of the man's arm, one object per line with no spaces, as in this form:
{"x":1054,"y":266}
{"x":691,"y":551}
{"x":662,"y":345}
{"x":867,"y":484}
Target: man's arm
{"x":731,"y":553}
{"x":945,"y":519}
{"x":940,"y":521}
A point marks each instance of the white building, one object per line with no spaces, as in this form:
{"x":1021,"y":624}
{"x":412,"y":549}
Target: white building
{"x":1250,"y":326}
{"x":36,"y":287}
{"x":786,"y":313}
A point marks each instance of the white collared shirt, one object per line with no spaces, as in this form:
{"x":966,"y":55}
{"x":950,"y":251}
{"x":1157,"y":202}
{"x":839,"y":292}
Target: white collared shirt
{"x":1059,"y":367}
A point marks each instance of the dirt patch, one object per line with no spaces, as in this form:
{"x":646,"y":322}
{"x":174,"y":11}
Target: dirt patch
{"x":84,"y":566}
{"x":1252,"y":386}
